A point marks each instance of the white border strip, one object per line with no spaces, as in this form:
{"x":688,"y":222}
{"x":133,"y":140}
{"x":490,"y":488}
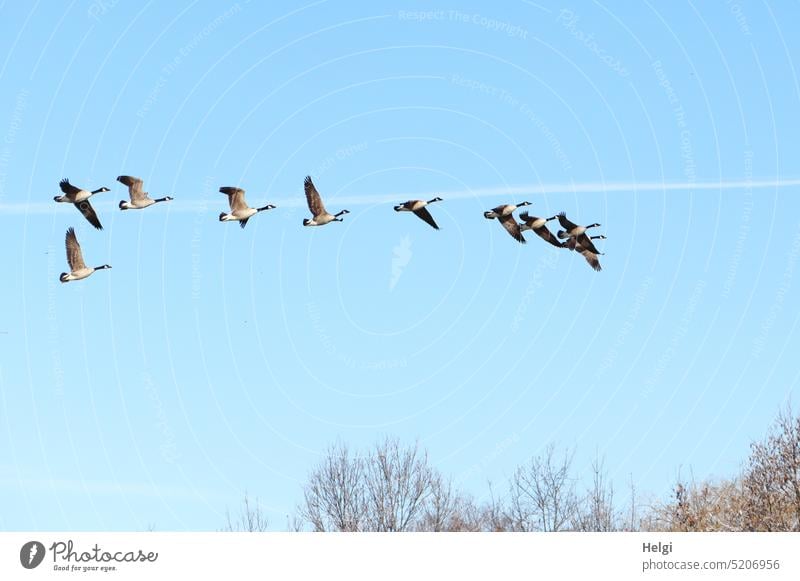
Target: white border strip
{"x":404,"y":556}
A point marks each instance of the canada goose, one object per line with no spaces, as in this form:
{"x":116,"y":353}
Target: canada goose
{"x":505,"y":214}
{"x":139,"y":198}
{"x":572,"y":230}
{"x":418,"y":207}
{"x":239,"y":209}
{"x":77,"y":267}
{"x":320,"y":215}
{"x":583,"y":245}
{"x":80,"y":199}
{"x":539,"y":225}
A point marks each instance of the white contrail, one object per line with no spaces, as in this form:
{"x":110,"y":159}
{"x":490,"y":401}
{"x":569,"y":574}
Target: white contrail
{"x":568,"y":188}
{"x":210,"y":205}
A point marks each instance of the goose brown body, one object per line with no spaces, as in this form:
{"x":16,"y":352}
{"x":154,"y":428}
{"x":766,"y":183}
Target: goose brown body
{"x":319,"y":215}
{"x":80,"y":199}
{"x":505,"y":214}
{"x":419,"y":210}
{"x":240,"y":211}
{"x":77,"y":267}
{"x":139,"y":199}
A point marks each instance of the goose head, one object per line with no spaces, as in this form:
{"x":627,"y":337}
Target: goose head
{"x":337,"y":218}
{"x":398,"y":208}
{"x":102,"y":267}
{"x":521,"y":204}
{"x":436,"y":199}
{"x":101,"y":190}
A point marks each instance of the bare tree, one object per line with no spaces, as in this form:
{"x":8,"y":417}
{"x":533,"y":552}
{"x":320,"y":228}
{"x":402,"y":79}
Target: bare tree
{"x":447,"y":510}
{"x":595,"y":512}
{"x":495,"y":516}
{"x":772,"y":477}
{"x":251,"y":519}
{"x":542,"y":493}
{"x":466,"y":516}
{"x":335,"y":496}
{"x":440,"y":509}
{"x":398,"y":483}
{"x":294,"y":523}
{"x":632,"y":523}
{"x":391,"y":488}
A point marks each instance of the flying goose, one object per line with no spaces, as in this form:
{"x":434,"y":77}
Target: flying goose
{"x":572,"y":230}
{"x":320,"y":215}
{"x":539,"y":226}
{"x":505,"y":214}
{"x":77,"y":267}
{"x":139,"y":198}
{"x":583,"y":245}
{"x":418,"y":207}
{"x":239,"y":209}
{"x":80,"y":198}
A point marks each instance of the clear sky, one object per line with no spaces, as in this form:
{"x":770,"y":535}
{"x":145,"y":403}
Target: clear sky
{"x":212,"y":360}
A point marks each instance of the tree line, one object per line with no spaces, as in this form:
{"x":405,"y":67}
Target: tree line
{"x":394,"y":487}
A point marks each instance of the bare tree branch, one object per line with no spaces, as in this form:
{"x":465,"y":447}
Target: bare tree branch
{"x":251,"y":519}
{"x":542,"y":493}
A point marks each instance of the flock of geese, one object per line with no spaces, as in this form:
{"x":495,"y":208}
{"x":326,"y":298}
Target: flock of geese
{"x":572,"y":237}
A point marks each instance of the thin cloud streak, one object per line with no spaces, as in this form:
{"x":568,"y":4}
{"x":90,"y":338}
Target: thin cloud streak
{"x":195,"y":205}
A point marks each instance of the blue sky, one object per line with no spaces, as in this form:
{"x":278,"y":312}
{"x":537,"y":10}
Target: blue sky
{"x":212,"y":360}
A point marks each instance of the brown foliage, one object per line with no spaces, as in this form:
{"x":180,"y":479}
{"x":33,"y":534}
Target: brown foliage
{"x":701,"y":507}
{"x":772,"y":479}
{"x":766,"y":497}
